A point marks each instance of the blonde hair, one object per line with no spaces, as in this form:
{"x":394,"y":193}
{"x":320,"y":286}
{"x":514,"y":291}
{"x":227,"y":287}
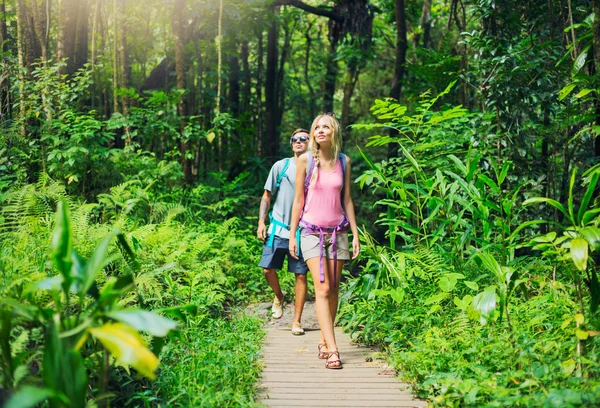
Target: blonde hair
{"x":336,"y":142}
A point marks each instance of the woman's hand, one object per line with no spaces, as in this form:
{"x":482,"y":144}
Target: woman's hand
{"x":355,"y":246}
{"x":293,"y":246}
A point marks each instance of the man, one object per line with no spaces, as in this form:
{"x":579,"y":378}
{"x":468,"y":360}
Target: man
{"x":282,"y":184}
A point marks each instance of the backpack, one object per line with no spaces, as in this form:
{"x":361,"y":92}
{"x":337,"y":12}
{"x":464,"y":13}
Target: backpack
{"x":283,"y":173}
{"x":274,"y":223}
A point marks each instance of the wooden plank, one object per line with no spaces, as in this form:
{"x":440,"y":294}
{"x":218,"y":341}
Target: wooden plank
{"x":293,"y":376}
{"x":325,"y":402}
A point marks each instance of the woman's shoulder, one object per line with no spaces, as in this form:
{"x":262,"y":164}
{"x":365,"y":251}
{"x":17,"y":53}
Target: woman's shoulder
{"x":304,"y":157}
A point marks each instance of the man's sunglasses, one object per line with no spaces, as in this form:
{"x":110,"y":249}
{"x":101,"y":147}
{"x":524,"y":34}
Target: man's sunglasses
{"x":302,"y":139}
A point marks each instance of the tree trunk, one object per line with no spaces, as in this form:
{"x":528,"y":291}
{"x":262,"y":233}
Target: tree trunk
{"x":259,"y":110}
{"x":81,"y":35}
{"x":234,"y":86}
{"x":331,"y":73}
{"x":596,"y":7}
{"x":21,"y":59}
{"x":5,"y":111}
{"x":350,"y":78}
{"x":115,"y":59}
{"x":93,"y":56}
{"x":272,"y":139}
{"x":312,"y":109}
{"x":246,"y":77}
{"x":178,"y":24}
{"x":124,"y":57}
{"x":280,"y":89}
{"x":40,"y":11}
{"x":67,"y":31}
{"x":399,"y":69}
{"x":424,"y":25}
{"x":198,"y":110}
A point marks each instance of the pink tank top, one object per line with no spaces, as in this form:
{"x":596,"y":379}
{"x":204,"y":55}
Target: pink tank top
{"x":323,"y":205}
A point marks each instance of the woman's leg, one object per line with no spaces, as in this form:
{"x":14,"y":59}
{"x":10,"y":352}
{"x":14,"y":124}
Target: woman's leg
{"x":335,"y":291}
{"x":322,"y":302}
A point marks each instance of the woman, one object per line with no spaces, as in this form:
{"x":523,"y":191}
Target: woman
{"x":323,"y":207}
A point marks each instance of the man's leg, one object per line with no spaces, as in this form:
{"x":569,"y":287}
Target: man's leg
{"x":273,"y":281}
{"x":300,"y":292}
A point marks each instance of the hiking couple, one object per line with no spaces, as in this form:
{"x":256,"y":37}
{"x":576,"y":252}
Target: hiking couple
{"x":312,"y":192}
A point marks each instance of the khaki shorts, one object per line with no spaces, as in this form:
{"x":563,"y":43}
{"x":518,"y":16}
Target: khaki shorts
{"x":309,"y":244}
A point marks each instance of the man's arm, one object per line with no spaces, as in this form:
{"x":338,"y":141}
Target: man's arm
{"x":265,"y":203}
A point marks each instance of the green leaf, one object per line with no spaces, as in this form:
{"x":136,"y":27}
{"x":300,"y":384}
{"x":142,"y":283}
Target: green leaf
{"x":459,"y":164}
{"x":568,"y":366}
{"x":485,"y":302}
{"x":449,"y":280}
{"x":471,"y":285}
{"x":96,"y":263}
{"x":505,"y":167}
{"x":29,"y":396}
{"x":489,"y":262}
{"x":579,"y":62}
{"x":180,"y":312}
{"x":592,"y":236}
{"x":587,"y":197}
{"x":581,"y":334}
{"x":127,"y":346}
{"x":579,"y":253}
{"x":491,"y":183}
{"x":62,"y":244}
{"x":144,"y":320}
{"x":566,"y":91}
{"x":571,"y":197}
{"x":436,"y":298}
{"x":410,"y":158}
{"x":549,"y":201}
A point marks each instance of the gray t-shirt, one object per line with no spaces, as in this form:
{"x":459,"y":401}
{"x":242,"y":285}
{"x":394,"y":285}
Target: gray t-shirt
{"x":284,"y":196}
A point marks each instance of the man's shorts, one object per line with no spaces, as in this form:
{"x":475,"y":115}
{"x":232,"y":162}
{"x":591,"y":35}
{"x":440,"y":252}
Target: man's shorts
{"x":310,"y":246}
{"x":272,"y":258}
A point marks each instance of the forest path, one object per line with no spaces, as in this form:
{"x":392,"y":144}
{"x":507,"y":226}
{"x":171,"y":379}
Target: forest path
{"x":294,"y":377}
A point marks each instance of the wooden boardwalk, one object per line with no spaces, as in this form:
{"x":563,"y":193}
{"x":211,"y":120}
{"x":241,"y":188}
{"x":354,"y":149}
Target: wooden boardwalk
{"x":294,"y":377}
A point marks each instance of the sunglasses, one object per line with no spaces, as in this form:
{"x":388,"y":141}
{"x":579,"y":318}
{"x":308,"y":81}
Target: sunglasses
{"x":302,"y":139}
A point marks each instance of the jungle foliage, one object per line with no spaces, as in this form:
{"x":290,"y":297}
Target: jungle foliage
{"x":135,"y":137}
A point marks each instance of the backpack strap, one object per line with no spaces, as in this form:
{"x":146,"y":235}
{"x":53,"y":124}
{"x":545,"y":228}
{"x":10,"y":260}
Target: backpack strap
{"x":343,"y":164}
{"x":282,"y":174}
{"x":311,"y":168}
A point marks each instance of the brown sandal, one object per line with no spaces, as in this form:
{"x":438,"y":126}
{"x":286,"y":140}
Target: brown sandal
{"x":334,"y":364}
{"x":323,"y":355}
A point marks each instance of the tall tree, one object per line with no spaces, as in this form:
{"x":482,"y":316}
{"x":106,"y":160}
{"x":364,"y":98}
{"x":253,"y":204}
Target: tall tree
{"x":178,"y":25}
{"x":399,"y":64}
{"x":351,"y":21}
{"x":4,"y":76}
{"x":72,"y":42}
{"x":596,"y":31}
{"x":271,"y":95}
{"x":123,"y":54}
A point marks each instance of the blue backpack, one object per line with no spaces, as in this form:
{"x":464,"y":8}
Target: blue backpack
{"x":274,"y":222}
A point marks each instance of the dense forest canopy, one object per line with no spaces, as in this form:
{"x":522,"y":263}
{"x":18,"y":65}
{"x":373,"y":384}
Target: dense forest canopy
{"x":219,"y":84}
{"x":149,"y":126}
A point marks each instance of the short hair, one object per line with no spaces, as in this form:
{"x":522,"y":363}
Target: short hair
{"x":302,"y":130}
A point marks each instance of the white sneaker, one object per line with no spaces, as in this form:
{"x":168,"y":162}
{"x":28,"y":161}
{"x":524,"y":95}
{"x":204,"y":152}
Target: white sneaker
{"x":297,"y":329}
{"x":277,"y":309}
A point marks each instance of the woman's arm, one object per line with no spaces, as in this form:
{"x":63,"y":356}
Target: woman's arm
{"x":298,"y":205}
{"x":349,"y":208}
